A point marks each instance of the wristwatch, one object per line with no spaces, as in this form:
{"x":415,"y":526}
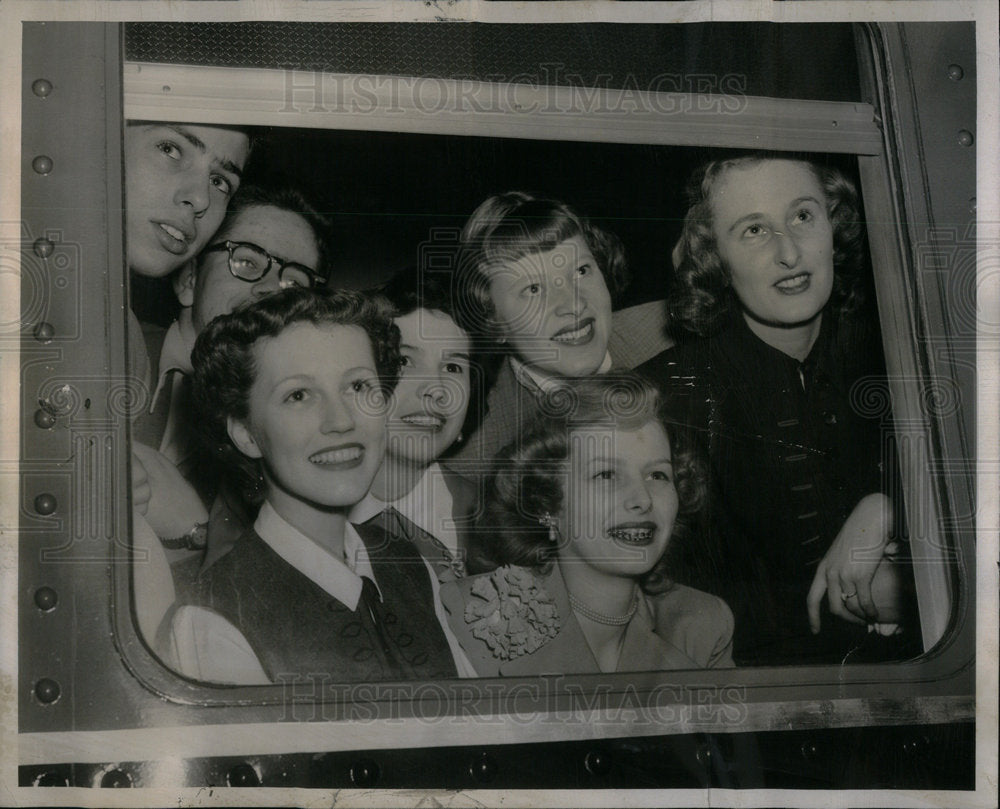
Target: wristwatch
{"x":193,"y":540}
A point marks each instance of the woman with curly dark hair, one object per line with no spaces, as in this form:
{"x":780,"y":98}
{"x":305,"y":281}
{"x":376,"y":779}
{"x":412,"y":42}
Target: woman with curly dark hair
{"x":766,"y":306}
{"x":575,"y":532}
{"x":296,"y":388}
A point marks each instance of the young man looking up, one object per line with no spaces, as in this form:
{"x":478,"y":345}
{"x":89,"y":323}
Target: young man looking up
{"x":270,"y":239}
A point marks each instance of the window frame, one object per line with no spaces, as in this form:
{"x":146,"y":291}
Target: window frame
{"x":939,"y":685}
{"x":255,"y":96}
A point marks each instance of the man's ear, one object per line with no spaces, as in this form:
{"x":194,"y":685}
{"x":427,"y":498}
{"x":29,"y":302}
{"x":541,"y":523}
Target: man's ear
{"x":184,"y":283}
{"x":241,"y":437}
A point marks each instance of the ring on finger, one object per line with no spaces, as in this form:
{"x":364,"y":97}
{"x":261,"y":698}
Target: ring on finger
{"x":846,"y":596}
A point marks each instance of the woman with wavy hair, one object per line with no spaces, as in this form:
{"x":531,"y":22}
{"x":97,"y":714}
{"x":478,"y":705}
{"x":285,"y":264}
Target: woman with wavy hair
{"x":574,"y":536}
{"x":766,"y":306}
{"x":536,"y":286}
{"x":295,"y":388}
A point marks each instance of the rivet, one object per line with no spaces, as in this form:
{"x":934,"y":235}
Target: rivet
{"x":116,"y":779}
{"x":51,"y":779}
{"x":597,"y":762}
{"x":243,"y":775}
{"x":43,"y":247}
{"x":45,"y":504}
{"x":917,"y":745}
{"x":364,"y":773}
{"x":44,"y":332}
{"x":965,"y":137}
{"x":44,"y":419}
{"x":42,"y":164}
{"x":955,"y":72}
{"x":704,"y":754}
{"x":47,"y":691}
{"x":41,"y":87}
{"x":46,"y":598}
{"x":484,"y":769}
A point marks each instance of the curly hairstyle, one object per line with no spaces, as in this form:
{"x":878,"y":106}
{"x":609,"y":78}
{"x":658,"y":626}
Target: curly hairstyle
{"x":701,"y":298}
{"x":527,"y":481}
{"x":505,"y":228}
{"x":284,"y":199}
{"x":225,"y":366}
{"x":421,"y":287}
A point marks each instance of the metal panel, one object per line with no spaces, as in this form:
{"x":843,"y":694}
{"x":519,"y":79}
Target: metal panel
{"x":924,"y":250}
{"x":73,"y":450}
{"x":88,"y":644}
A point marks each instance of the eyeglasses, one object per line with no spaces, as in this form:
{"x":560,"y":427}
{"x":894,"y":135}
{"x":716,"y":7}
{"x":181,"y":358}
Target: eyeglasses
{"x":251,"y":262}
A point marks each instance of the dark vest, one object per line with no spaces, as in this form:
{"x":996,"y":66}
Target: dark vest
{"x":297,"y":629}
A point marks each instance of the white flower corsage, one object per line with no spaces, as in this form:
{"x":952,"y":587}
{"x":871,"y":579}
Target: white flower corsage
{"x":511,"y":613}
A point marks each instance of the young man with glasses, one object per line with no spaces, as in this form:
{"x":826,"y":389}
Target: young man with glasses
{"x":270,"y":239}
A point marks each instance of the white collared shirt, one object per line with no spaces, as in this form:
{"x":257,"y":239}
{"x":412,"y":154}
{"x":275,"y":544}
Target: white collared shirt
{"x":340,"y":578}
{"x":535,"y":380}
{"x":205,"y":646}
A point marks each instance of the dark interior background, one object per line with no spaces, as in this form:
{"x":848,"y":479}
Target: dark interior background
{"x":385,"y":192}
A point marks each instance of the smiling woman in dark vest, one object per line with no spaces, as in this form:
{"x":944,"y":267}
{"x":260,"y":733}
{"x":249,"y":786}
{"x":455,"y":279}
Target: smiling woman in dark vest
{"x":295,"y":389}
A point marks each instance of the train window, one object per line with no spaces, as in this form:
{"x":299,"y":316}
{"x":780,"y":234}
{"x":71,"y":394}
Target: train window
{"x":397,"y":189}
{"x":391,"y":135}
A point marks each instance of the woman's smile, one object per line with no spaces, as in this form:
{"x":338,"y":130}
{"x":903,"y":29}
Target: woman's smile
{"x":343,"y":457}
{"x":795,"y":284}
{"x":638,"y":534}
{"x":576,"y":334}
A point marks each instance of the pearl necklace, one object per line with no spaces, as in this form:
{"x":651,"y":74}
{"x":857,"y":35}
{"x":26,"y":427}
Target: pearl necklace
{"x":600,"y":617}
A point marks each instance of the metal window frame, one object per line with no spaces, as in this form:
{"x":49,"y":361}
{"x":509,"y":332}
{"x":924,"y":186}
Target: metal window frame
{"x":939,"y":685}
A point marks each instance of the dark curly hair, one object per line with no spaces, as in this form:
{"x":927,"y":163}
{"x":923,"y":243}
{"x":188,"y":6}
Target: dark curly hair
{"x":528,"y":476}
{"x":701,"y":298}
{"x":422,"y":287}
{"x":505,"y":228}
{"x":284,"y":199}
{"x":225,"y":367}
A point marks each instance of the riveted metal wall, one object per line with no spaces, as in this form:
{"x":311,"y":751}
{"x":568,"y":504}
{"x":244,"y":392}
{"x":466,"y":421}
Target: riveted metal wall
{"x":73,"y":383}
{"x":82,"y":668}
{"x":922,"y":81}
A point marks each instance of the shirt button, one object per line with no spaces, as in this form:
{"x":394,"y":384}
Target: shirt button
{"x":830,"y":418}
